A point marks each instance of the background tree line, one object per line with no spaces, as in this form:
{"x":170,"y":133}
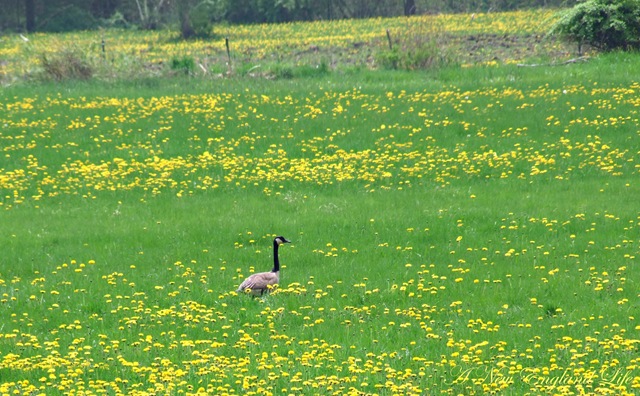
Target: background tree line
{"x":196,"y":17}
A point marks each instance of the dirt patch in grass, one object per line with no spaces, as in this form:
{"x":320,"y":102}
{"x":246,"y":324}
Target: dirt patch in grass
{"x":482,"y":48}
{"x":468,"y":50}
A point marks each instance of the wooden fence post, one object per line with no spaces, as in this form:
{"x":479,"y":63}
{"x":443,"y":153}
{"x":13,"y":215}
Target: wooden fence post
{"x":226,"y":43}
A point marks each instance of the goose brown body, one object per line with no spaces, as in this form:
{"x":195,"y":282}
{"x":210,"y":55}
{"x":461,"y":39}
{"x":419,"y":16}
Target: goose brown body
{"x":261,"y":282}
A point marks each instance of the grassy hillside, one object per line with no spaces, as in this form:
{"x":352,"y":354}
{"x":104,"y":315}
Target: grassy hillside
{"x":284,"y":50}
{"x":464,"y":230}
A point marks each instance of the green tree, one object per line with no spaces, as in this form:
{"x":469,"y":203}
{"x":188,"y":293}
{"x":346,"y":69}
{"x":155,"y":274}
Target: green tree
{"x":604,"y":24}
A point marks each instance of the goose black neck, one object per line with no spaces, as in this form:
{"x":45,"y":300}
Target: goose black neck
{"x":276,"y":261}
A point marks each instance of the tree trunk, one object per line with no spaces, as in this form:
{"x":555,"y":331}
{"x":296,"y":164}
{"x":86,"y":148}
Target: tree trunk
{"x":30,"y":15}
{"x":186,"y":28}
{"x":409,"y":7}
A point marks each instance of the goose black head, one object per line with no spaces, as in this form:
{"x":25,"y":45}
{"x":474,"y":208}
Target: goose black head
{"x":280,"y":240}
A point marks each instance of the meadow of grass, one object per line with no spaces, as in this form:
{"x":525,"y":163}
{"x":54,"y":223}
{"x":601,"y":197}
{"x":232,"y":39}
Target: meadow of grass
{"x":267,"y":50}
{"x":461,"y":231}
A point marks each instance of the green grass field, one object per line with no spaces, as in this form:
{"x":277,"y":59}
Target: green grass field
{"x":460,"y":231}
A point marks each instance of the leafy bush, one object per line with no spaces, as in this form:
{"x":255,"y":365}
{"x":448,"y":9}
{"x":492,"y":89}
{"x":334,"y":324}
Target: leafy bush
{"x":604,"y":24}
{"x":281,"y":71}
{"x":185,"y":64}
{"x":66,"y":64}
{"x":426,"y":55}
{"x":389,"y":60}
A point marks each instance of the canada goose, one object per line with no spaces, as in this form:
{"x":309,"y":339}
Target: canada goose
{"x":259,"y":283}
